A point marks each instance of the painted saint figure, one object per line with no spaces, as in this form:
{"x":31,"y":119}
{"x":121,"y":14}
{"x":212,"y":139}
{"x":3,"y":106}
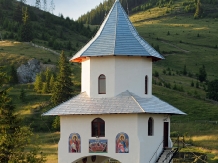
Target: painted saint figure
{"x":74,"y":143}
{"x":122,"y":143}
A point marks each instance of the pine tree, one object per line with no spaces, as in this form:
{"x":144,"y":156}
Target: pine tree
{"x":192,"y":84}
{"x":26,"y":29}
{"x":184,"y":70}
{"x":212,"y":92}
{"x":202,"y":74}
{"x":199,"y":10}
{"x":51,"y":83}
{"x":45,"y":88}
{"x":48,"y":77}
{"x":38,"y":83}
{"x":14,"y":139}
{"x":63,"y":86}
{"x":38,"y":4}
{"x":197,"y":84}
{"x":22,"y":95}
{"x":13,"y":75}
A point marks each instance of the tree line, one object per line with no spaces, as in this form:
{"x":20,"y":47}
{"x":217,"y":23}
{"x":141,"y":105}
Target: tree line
{"x":21,"y":22}
{"x":97,"y":15}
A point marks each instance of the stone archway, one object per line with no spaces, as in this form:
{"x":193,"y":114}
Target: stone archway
{"x":96,"y":159}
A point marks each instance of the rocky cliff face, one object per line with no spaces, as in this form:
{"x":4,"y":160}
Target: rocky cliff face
{"x":27,"y":72}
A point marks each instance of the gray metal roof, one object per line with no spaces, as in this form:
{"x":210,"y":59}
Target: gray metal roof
{"x":124,"y":103}
{"x":117,"y":36}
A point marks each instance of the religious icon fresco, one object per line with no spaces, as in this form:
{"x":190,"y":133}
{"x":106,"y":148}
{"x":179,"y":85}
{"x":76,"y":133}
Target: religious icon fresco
{"x":122,"y":143}
{"x":97,"y":146}
{"x":74,"y":143}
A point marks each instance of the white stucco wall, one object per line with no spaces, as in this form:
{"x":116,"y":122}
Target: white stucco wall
{"x":85,"y":76}
{"x":141,"y":146}
{"x":122,"y":73}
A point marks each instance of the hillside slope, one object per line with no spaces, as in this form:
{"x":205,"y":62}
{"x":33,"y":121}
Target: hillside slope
{"x":18,"y":20}
{"x":187,"y":44}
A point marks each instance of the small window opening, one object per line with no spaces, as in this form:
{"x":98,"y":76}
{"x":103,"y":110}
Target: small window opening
{"x":102,"y":84}
{"x":150,"y":127}
{"x":146,"y":84}
{"x":98,"y":128}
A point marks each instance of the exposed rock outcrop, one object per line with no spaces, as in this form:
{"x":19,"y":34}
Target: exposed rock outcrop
{"x":27,"y":72}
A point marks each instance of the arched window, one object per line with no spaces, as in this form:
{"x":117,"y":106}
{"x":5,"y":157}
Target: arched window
{"x":98,"y":128}
{"x":102,"y":84}
{"x":146,"y":84}
{"x":150,"y":126}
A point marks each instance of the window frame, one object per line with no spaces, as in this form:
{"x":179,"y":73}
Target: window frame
{"x":150,"y":126}
{"x":100,"y":131}
{"x":146,"y":84}
{"x":100,"y":80}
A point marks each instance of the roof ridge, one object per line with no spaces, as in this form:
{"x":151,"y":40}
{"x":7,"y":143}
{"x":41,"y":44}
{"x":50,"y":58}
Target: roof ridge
{"x":116,"y":26}
{"x":136,"y":101}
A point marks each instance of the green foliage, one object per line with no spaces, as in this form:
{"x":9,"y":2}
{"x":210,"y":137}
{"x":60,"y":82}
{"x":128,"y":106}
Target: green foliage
{"x":199,"y":10}
{"x":184,"y":70}
{"x":14,"y":139}
{"x":96,"y":16}
{"x":56,"y":123}
{"x":26,"y":34}
{"x":197,"y":84}
{"x":13,"y":75}
{"x":38,"y":83}
{"x":212,"y":91}
{"x":18,"y":13}
{"x":45,"y":88}
{"x":192,"y":84}
{"x":22,"y":95}
{"x":62,"y":89}
{"x":51,"y":83}
{"x":202,"y":76}
{"x":156,"y":74}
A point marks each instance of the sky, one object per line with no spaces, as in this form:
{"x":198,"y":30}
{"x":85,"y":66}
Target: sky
{"x":71,"y":8}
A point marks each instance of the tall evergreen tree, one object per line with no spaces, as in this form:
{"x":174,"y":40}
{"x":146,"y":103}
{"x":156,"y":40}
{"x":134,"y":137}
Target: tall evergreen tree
{"x":47,"y":79}
{"x":199,"y":10}
{"x":63,"y":86}
{"x":51,"y":83}
{"x":13,"y":75}
{"x":22,"y":95}
{"x":26,"y":30}
{"x":212,"y":91}
{"x":184,"y":70}
{"x":38,"y":83}
{"x":14,"y":139}
{"x":202,"y":74}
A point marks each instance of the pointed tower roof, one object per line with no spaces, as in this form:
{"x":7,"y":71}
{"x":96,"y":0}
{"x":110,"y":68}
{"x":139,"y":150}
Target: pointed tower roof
{"x":117,"y":37}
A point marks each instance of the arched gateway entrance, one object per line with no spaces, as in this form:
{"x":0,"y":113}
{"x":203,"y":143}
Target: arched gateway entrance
{"x":96,"y":159}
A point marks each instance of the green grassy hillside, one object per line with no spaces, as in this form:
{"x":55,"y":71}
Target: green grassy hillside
{"x":184,"y":41}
